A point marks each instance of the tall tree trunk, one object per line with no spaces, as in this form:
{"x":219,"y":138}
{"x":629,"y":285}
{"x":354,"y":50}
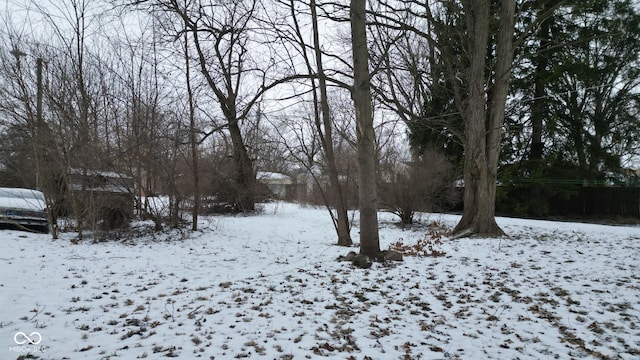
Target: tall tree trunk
{"x":369,"y":238}
{"x":498,"y":101}
{"x":245,"y":175}
{"x":192,"y":138}
{"x":539,"y":103}
{"x":342,"y":218}
{"x":483,"y":131}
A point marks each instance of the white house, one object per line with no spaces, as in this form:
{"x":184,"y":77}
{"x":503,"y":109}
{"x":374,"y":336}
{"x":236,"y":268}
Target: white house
{"x":279,"y":184}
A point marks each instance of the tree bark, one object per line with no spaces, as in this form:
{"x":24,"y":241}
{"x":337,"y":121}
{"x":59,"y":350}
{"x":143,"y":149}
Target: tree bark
{"x":245,"y":175}
{"x":192,"y":138}
{"x":369,"y":238}
{"x":483,"y":130}
{"x":342,"y":218}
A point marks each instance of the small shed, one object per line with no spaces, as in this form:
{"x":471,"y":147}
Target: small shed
{"x":105,"y":199}
{"x":280,"y":185}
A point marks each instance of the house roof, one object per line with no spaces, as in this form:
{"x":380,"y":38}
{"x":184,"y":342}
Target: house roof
{"x":267,"y":177}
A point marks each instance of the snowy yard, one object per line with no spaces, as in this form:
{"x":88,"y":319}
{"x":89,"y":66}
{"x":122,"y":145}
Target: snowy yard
{"x":268,"y":287}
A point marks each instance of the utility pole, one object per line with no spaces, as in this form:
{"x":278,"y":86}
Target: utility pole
{"x":38,"y":120}
{"x":36,"y":143}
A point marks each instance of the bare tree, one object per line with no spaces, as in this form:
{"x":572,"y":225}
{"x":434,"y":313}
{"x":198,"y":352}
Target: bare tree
{"x":323,"y":124}
{"x":139,"y":124}
{"x":483,"y":111}
{"x":27,"y":119}
{"x":192,"y":137}
{"x":343,"y":227}
{"x":366,"y":140}
{"x":457,"y":36}
{"x":229,"y":56}
{"x":424,"y":184}
{"x":72,"y":133}
{"x":224,"y":35}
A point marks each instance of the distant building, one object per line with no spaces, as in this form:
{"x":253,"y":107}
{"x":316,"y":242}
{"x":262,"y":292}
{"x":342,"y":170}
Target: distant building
{"x":104,"y":198}
{"x":280,"y":185}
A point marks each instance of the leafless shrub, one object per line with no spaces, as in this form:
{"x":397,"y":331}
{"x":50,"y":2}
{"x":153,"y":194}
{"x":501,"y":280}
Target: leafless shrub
{"x":426,"y":184}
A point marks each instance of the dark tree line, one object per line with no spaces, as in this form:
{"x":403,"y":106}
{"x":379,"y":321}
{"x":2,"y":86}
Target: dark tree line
{"x":580,"y":105}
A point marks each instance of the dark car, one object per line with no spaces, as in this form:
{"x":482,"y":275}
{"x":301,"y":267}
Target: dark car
{"x":23,"y":209}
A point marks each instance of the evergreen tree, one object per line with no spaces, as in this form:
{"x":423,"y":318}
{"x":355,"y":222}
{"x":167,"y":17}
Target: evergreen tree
{"x":578,"y":77}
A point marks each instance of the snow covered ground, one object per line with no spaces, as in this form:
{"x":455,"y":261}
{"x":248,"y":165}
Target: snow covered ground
{"x":268,"y":287}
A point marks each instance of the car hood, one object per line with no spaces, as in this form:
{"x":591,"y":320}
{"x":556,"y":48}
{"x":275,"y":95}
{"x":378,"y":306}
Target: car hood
{"x":22,"y":199}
